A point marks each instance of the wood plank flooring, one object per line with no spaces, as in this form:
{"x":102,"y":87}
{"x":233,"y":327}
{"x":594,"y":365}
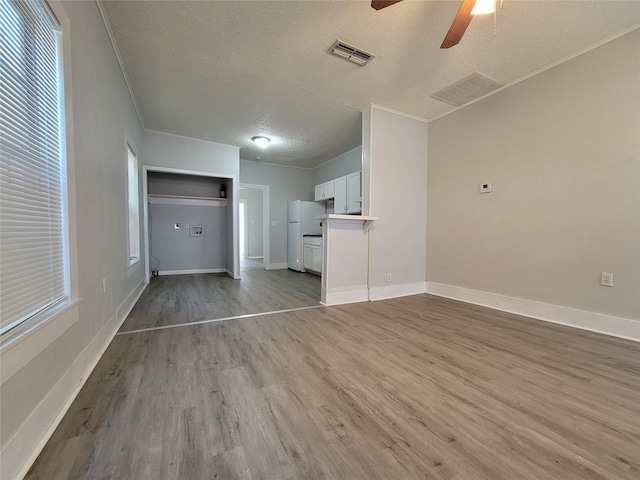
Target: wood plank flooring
{"x":177,"y":299}
{"x":413,"y":388}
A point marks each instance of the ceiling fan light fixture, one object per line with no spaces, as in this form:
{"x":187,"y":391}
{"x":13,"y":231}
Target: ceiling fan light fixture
{"x":483,"y":7}
{"x":261,"y":141}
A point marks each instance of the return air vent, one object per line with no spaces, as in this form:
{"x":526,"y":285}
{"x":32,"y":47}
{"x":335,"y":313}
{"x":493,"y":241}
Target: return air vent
{"x":351,"y":53}
{"x":466,"y":90}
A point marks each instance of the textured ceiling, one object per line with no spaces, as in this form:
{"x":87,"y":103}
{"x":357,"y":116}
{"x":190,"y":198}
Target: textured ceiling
{"x":225,"y":71}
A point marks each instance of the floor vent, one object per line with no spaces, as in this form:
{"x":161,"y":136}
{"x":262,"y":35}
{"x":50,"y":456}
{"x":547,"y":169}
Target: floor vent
{"x":350,"y":53}
{"x":466,"y":90}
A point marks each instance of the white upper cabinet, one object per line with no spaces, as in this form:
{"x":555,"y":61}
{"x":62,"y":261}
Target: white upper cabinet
{"x":354,"y":192}
{"x":346,"y":193}
{"x":325,"y":191}
{"x":340,"y":199}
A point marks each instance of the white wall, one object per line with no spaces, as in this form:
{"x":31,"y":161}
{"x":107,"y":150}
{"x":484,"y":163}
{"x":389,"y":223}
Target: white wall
{"x":562,"y":151}
{"x":188,"y":155}
{"x":254,"y":227}
{"x":348,"y":162}
{"x":176,"y":251}
{"x":396,"y":163}
{"x":286,"y":184}
{"x":41,"y":373}
{"x":164,"y":150}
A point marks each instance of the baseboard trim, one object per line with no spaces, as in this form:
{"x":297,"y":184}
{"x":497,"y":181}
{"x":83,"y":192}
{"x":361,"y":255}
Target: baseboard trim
{"x":62,"y":395}
{"x":193,"y":271}
{"x":278,"y":266}
{"x":339,"y":296}
{"x":230,"y":274}
{"x":393,"y":291}
{"x":626,"y":328}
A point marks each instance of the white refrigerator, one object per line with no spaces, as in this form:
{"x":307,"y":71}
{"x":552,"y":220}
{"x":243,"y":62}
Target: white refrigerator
{"x":301,"y":221}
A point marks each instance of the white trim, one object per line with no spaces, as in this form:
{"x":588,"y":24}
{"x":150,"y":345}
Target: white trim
{"x":193,"y":271}
{"x":184,"y":137}
{"x":230,"y":274}
{"x":153,"y":168}
{"x":594,"y":322}
{"x":123,"y":311}
{"x":112,"y":39}
{"x":17,"y":455}
{"x":216,"y":320}
{"x":367,"y":125}
{"x":266,"y":221}
{"x":20,"y":349}
{"x":543,"y":69}
{"x":342,"y":295}
{"x":278,"y":266}
{"x":156,"y":199}
{"x":397,"y":112}
{"x":393,"y":291}
{"x":277,"y":164}
{"x":337,"y":157}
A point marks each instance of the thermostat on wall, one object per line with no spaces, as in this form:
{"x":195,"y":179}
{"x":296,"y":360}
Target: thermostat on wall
{"x":485,"y":188}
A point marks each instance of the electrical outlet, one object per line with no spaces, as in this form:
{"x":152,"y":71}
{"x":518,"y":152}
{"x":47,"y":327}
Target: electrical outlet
{"x":388,"y":278}
{"x":196,"y":232}
{"x":606,"y":279}
{"x":104,"y":285}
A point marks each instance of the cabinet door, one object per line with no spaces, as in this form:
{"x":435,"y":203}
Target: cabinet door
{"x":316,"y":263}
{"x":354,"y":192}
{"x":307,"y":261}
{"x":340,"y":198}
{"x":319,"y":192}
{"x":329,"y":189}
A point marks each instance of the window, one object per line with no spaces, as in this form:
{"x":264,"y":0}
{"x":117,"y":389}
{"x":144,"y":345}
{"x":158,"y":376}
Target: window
{"x":133,"y":206}
{"x":34,"y":260}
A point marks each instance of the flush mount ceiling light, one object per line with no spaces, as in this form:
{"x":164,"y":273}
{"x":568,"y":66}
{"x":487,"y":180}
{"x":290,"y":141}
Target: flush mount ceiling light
{"x":482,"y":7}
{"x":262,"y":142}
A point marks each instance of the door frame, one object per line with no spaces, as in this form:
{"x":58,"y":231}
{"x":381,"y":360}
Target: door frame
{"x":266,"y":221}
{"x":245,"y":240}
{"x":235,"y":246}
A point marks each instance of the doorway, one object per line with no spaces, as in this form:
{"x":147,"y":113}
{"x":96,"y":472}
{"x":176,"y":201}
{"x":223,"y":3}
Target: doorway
{"x":255,"y":237}
{"x":242,"y":226}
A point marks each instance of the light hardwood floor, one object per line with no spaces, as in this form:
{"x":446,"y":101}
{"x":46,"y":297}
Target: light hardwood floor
{"x":411,"y":388}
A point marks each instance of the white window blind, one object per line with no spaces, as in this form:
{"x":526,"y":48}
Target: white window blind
{"x":134,"y":210}
{"x":33,"y":230}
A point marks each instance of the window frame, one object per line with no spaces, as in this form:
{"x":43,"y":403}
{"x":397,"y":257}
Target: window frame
{"x":40,"y":330}
{"x":132,"y":261}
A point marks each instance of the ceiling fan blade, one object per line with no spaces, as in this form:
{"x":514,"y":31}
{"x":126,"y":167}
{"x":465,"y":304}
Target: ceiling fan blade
{"x":459,"y":25}
{"x":380,"y":4}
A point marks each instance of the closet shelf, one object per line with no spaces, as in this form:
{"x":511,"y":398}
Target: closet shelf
{"x":157,"y":199}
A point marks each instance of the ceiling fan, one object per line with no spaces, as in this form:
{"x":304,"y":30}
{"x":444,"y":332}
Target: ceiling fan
{"x":460,"y":22}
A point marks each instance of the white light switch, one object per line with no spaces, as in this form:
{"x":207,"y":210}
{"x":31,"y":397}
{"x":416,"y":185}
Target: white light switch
{"x":273,"y":223}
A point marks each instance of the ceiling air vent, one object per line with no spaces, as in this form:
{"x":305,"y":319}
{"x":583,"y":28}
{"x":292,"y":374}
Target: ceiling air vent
{"x":351,"y":53}
{"x":466,"y":90}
